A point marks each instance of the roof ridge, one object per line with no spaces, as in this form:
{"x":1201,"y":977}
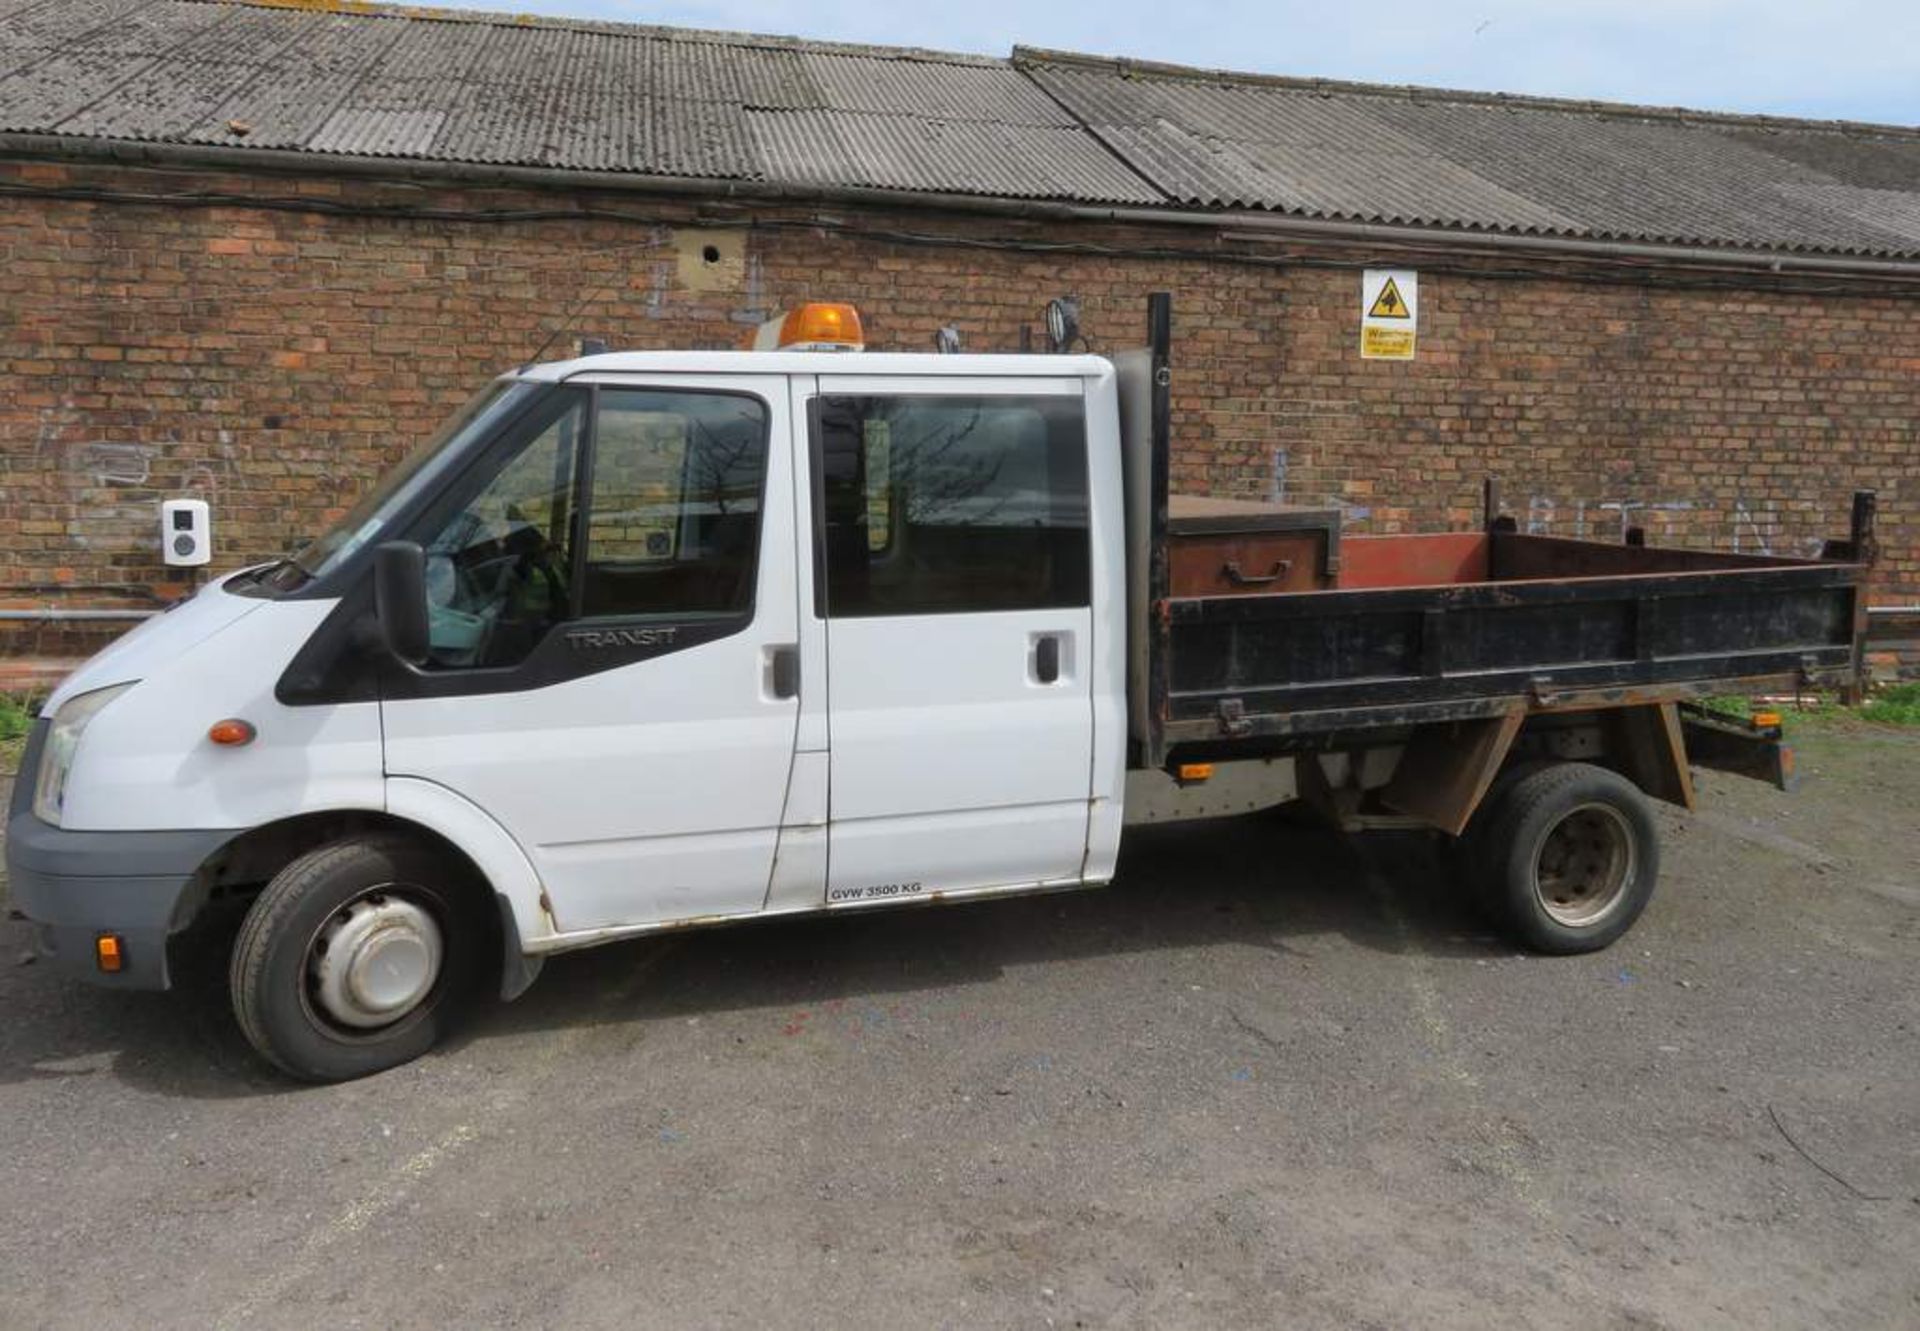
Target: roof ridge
{"x":614,"y":28}
{"x":1127,"y":66}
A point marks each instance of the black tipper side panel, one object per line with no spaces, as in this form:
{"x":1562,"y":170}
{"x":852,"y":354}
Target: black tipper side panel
{"x":1297,"y":663}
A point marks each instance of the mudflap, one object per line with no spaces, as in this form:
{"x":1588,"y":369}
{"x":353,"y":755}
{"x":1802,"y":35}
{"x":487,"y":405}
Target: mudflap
{"x":1734,"y":744}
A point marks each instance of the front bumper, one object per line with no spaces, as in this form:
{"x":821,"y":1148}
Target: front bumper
{"x":75,"y":886}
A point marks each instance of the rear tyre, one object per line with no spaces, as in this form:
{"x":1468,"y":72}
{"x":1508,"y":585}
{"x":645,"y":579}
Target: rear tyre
{"x":1465,"y":857}
{"x":355,"y":958}
{"x":1568,"y":857}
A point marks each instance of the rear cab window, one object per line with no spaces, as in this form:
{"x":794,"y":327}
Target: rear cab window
{"x":950,"y":503}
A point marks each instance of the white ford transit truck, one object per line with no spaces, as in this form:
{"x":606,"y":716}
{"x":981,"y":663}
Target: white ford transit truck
{"x":646,"y":640}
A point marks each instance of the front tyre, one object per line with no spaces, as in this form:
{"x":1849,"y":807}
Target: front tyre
{"x":1569,"y":857}
{"x":356,"y":956}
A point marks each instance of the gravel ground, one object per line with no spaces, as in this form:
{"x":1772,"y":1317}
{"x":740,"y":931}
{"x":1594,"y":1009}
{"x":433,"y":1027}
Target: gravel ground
{"x":1268,"y":1078}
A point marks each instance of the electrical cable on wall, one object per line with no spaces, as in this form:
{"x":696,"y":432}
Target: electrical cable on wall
{"x":1595,"y":269}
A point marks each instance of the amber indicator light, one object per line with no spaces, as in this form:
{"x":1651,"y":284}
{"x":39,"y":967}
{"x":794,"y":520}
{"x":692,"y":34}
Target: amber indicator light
{"x":231,"y":731}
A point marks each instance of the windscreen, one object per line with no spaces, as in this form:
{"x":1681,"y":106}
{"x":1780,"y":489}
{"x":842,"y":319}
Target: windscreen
{"x":366,"y":520}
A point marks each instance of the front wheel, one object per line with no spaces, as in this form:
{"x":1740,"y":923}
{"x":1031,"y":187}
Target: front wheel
{"x":1568,"y":857}
{"x":354,"y":958}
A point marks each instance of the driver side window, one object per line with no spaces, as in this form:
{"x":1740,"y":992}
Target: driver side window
{"x":674,"y":527}
{"x":671,"y":522}
{"x":497,"y":571}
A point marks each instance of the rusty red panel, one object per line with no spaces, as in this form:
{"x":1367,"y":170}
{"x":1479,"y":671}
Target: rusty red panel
{"x":1413,"y":561}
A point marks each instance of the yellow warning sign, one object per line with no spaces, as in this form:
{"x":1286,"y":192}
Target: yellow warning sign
{"x":1386,"y":343}
{"x":1389,"y":304}
{"x":1389,"y":313}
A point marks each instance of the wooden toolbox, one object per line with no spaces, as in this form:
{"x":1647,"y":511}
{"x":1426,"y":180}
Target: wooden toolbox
{"x":1239,"y":547}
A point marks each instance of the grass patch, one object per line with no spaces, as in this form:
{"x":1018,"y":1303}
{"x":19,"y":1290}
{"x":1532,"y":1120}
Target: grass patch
{"x":1896,"y":705}
{"x":16,"y":719}
{"x":1893,"y":705}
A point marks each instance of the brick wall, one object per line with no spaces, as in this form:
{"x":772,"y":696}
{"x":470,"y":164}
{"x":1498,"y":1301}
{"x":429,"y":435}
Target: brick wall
{"x":273,"y":358}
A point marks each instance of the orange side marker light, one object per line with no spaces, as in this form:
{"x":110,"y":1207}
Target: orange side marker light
{"x":232,"y":731}
{"x":109,"y":954}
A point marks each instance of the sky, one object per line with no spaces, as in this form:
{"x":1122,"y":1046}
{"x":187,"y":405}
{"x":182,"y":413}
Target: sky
{"x":1836,"y":59}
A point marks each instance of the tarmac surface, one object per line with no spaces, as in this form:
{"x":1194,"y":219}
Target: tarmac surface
{"x":1269,"y":1078}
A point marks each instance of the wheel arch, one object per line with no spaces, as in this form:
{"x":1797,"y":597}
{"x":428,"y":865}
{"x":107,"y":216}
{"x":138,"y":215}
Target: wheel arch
{"x":421,"y":809}
{"x":1450,"y":769}
{"x":1642,"y":742}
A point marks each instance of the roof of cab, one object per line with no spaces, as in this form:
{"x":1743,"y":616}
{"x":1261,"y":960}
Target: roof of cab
{"x":864,"y":364}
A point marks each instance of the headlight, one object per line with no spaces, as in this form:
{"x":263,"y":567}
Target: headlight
{"x":63,"y":741}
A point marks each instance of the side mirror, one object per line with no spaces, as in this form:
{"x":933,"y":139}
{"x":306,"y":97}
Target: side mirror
{"x":400,"y":599}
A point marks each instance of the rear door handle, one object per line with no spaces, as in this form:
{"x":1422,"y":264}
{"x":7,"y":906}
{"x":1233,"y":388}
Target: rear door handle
{"x":1046,"y":659}
{"x":784,"y":670}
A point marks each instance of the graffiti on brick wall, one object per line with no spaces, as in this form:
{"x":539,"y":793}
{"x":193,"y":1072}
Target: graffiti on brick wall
{"x":100,"y":462}
{"x":1740,"y":524}
{"x":1605,"y":519}
{"x":113,"y":486}
{"x":1743,"y":527}
{"x":1760,"y":531}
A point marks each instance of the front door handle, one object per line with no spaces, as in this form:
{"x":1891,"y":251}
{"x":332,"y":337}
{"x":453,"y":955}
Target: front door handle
{"x":1046,"y":659}
{"x":784,"y":669}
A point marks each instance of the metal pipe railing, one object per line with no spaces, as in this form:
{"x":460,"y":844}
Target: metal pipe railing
{"x":72,"y":616}
{"x":1893,"y":623}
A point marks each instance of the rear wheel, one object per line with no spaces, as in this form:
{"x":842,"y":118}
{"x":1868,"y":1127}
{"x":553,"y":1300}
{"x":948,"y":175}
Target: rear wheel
{"x":355,"y":958}
{"x":1568,"y":857}
{"x":1465,"y":856}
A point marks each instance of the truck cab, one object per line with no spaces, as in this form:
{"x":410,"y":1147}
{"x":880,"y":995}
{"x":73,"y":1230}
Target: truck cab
{"x":697,"y":637}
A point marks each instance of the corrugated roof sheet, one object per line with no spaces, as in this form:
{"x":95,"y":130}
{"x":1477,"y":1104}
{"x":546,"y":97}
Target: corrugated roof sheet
{"x":494,"y":89}
{"x":1211,"y":145}
{"x":946,"y":156}
{"x":1621,"y":177}
{"x":1417,"y":156}
{"x":506,"y":91}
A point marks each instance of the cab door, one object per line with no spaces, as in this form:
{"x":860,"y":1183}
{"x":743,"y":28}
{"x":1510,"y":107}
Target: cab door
{"x":952,"y":586}
{"x":613,"y":623}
